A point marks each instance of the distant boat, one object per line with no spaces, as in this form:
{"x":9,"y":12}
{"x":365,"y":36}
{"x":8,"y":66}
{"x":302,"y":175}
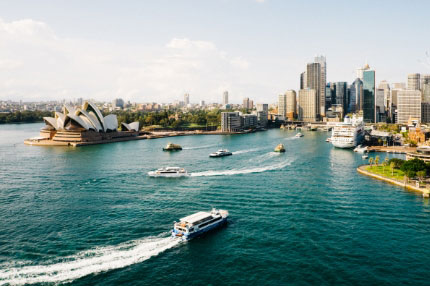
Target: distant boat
{"x":365,"y":156}
{"x":361,"y":149}
{"x":220,"y":153}
{"x":172,"y":172}
{"x":280,"y":148}
{"x":172,"y":147}
{"x":298,"y":135}
{"x":328,"y":140}
{"x":196,"y":224}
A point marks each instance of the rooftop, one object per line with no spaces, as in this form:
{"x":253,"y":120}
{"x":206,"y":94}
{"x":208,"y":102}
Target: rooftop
{"x":195,"y":217}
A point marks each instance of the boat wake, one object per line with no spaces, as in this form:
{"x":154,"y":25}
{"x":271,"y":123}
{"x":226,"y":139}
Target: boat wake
{"x":242,"y":171}
{"x":199,"y":147}
{"x":87,"y":262}
{"x":246,"y":151}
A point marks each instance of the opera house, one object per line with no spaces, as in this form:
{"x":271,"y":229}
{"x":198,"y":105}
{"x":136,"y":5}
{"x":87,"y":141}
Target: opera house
{"x":83,"y":125}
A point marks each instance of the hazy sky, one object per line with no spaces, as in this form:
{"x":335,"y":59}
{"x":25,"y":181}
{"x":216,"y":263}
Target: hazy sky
{"x":157,"y":50}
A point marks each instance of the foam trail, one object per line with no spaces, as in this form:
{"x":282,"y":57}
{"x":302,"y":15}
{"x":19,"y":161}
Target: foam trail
{"x":87,"y":262}
{"x":246,"y":151}
{"x":199,"y":147}
{"x":242,"y":171}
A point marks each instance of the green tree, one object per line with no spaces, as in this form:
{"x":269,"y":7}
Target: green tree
{"x":376,"y":160}
{"x":421,"y":175}
{"x":370,"y":161}
{"x":392,"y":167}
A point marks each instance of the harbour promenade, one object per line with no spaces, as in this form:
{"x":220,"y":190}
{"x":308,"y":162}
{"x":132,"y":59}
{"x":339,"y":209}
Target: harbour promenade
{"x":392,"y":149}
{"x":402,"y":183}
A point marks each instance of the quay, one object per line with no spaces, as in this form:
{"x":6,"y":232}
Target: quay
{"x":424,"y":191}
{"x":392,"y":149}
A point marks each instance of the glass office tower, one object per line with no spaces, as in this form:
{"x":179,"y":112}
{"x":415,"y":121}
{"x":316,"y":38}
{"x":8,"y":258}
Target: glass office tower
{"x":369,"y":96}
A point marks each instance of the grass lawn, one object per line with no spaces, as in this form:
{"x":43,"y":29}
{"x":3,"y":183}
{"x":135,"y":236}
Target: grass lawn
{"x":379,"y":170}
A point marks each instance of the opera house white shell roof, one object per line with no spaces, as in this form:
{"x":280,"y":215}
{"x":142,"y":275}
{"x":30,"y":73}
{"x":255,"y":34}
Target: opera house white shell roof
{"x":87,"y":117}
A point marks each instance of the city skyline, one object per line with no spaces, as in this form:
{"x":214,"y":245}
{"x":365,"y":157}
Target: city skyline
{"x":58,"y":50}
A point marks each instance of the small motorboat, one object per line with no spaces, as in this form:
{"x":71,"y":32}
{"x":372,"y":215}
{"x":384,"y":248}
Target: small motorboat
{"x":328,"y":139}
{"x":365,"y":156}
{"x":172,"y":147}
{"x":298,"y":135}
{"x":280,"y":148}
{"x":220,"y":153}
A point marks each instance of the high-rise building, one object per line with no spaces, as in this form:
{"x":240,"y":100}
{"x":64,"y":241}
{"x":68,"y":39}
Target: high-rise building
{"x":425,"y":87}
{"x":291,"y":104}
{"x":323,"y":81}
{"x":225,"y":98}
{"x":360,"y":71}
{"x":247,"y":103}
{"x":341,"y":95}
{"x":262,"y":113}
{"x":399,"y":85}
{"x":369,"y":96}
{"x":303,"y":80}
{"x":414,"y":81}
{"x":202,"y":103}
{"x":186,"y":99}
{"x":282,"y":106}
{"x":307,"y":105}
{"x":230,"y":121}
{"x":314,"y":80}
{"x":118,"y":103}
{"x":425,"y":112}
{"x":408,"y":105}
{"x":356,"y":91}
{"x":379,"y":105}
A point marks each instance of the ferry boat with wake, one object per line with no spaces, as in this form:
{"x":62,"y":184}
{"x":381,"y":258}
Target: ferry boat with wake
{"x":220,"y":153}
{"x":172,"y":147}
{"x":196,"y":224}
{"x":172,"y":172}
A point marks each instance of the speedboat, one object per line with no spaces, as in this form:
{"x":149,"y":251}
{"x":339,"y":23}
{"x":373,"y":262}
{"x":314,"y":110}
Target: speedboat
{"x":328,"y":139}
{"x":220,"y":153}
{"x":172,"y":147}
{"x":361,"y":149}
{"x":298,"y":135}
{"x":196,"y":224}
{"x":172,"y":172}
{"x":365,"y":156}
{"x":280,"y":148}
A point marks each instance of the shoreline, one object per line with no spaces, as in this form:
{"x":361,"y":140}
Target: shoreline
{"x":152,"y":135}
{"x":408,"y":186}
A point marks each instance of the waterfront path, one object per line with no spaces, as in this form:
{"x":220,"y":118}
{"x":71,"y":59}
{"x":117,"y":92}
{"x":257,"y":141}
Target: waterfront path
{"x":402,"y":183}
{"x":392,"y":149}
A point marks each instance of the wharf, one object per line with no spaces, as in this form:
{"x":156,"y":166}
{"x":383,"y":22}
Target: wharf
{"x":392,"y":149}
{"x":424,"y":191}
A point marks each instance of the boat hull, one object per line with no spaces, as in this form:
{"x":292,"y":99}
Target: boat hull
{"x":217,"y":156}
{"x":154,"y":174}
{"x":213,"y":226}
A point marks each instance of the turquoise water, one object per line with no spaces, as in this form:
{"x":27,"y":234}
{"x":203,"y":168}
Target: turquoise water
{"x":91,"y":215}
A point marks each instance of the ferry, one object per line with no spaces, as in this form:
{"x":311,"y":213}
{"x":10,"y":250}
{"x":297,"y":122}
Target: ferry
{"x":172,"y":172}
{"x":348,"y":134}
{"x":298,"y":135}
{"x":172,"y":147}
{"x":220,"y":153}
{"x":280,"y":148}
{"x":196,"y":224}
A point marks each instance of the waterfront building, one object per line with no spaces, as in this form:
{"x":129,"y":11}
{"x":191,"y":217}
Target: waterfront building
{"x":356,"y":91}
{"x":369,"y":95}
{"x":414,"y":81}
{"x":422,"y":153}
{"x":230,"y":122}
{"x":408,"y":105}
{"x":316,"y":79}
{"x":307,"y":107}
{"x":282,"y":106}
{"x":248,"y":121}
{"x":225,"y":98}
{"x":262,"y":113}
{"x":291,"y":104}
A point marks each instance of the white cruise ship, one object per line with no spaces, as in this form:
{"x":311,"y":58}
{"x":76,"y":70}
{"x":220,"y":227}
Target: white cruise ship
{"x":348,"y":134}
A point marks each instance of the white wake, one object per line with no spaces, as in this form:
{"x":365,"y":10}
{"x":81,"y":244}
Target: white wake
{"x":246,"y":151}
{"x":242,"y":171}
{"x":199,"y":147}
{"x":87,"y":262}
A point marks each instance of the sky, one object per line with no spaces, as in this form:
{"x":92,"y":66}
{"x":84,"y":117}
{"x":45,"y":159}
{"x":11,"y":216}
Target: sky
{"x":155,"y":51}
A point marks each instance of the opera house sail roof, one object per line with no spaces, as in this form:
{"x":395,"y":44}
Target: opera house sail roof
{"x":84,"y":125}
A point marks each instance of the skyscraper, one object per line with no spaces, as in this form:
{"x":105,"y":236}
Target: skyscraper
{"x":369,"y":96}
{"x":323,"y":81}
{"x":414,"y":81}
{"x":262,"y":113}
{"x":379,"y":105}
{"x":356,"y":103}
{"x":186,"y":99}
{"x":282,"y":106}
{"x":291,"y":104}
{"x":225,"y":98}
{"x":303,"y":80}
{"x":307,"y":105}
{"x":408,"y":105}
{"x":245,"y":103}
{"x":314,"y":80}
{"x":360,"y":71}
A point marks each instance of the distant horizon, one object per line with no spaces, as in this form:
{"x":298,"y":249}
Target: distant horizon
{"x":157,"y":51}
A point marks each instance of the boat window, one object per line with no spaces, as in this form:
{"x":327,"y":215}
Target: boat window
{"x":209,"y":222}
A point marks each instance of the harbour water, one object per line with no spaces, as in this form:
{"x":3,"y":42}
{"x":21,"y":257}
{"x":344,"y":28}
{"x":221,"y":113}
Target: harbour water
{"x":91,"y":215}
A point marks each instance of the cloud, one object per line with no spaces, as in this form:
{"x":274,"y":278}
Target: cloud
{"x":37,"y":64}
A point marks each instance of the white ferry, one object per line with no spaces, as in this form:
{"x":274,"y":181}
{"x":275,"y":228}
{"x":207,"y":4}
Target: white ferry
{"x":347,"y":134}
{"x":169,"y":172}
{"x":220,"y":153}
{"x":196,"y":224}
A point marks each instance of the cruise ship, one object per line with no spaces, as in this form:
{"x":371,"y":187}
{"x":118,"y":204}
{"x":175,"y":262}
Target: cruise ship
{"x":196,"y":224}
{"x":348,"y":134}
